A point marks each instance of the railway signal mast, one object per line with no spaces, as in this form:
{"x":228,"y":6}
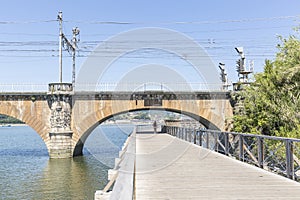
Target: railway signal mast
{"x":223,"y":76}
{"x":243,"y":73}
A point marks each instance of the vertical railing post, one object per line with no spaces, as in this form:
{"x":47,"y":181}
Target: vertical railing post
{"x":216,"y":142}
{"x":194,"y":136}
{"x":200,"y":137}
{"x":226,"y":141}
{"x":260,"y":152}
{"x":289,"y":159}
{"x":241,"y":147}
{"x":185,"y":134}
{"x":179,"y":132}
{"x":207,"y":139}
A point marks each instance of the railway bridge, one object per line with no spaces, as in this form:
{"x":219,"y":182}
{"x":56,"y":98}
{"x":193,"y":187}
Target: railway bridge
{"x":64,"y":117}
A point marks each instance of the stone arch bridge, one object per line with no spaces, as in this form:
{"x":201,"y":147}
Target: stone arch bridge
{"x":64,"y":119}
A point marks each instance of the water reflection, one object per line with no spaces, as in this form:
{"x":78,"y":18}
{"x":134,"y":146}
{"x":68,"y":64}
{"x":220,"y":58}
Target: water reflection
{"x":75,"y":178}
{"x":106,"y":141}
{"x":26,"y":172}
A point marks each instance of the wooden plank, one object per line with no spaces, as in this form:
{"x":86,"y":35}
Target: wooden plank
{"x":169,"y":168}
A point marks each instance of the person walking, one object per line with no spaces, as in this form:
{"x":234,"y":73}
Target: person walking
{"x":155,"y":126}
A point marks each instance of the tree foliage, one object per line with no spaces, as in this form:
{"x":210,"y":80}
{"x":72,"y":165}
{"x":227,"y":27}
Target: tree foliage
{"x":9,"y":120}
{"x":271,"y":104}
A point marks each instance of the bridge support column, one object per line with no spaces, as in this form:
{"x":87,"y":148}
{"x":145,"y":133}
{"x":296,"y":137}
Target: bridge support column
{"x":60,"y":103}
{"x":60,"y":145}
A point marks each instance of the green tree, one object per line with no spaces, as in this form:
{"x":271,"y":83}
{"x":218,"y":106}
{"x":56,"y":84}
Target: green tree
{"x":9,"y":120}
{"x":271,"y":104}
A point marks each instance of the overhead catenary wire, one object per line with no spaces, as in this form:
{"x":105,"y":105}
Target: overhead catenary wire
{"x":256,"y":47}
{"x":156,"y":22}
{"x":187,"y":22}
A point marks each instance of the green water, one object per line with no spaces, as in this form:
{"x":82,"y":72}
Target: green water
{"x":26,"y":172}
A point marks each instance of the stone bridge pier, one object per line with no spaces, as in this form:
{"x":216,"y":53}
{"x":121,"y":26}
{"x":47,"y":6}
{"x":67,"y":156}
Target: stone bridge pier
{"x":64,"y":120}
{"x":59,"y":99}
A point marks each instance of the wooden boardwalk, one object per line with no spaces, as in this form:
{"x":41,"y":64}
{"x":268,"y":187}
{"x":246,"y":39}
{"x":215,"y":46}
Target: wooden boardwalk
{"x":169,"y":168}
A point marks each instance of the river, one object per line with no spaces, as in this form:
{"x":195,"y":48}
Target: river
{"x":26,"y":172}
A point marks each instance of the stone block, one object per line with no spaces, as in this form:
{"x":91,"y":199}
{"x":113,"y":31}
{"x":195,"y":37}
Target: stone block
{"x":111,"y":173}
{"x":100,"y":195}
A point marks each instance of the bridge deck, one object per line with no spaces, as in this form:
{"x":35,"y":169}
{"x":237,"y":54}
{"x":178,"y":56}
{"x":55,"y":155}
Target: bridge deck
{"x":169,"y":168}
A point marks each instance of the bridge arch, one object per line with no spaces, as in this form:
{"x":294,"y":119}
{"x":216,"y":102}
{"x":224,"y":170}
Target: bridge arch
{"x":92,"y":121}
{"x":28,"y":113}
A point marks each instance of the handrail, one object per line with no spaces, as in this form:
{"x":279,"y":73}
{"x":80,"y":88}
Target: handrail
{"x":138,"y":87}
{"x":275,"y":154}
{"x":253,"y":135}
{"x":23,"y":87}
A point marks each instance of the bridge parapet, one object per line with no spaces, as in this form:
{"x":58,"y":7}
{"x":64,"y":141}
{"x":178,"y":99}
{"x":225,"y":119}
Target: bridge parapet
{"x":60,"y":88}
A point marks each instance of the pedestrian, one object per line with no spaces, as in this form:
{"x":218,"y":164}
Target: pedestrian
{"x":154,"y":126}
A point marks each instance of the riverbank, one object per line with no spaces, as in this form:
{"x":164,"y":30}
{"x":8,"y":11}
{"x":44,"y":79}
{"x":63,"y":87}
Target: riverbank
{"x":12,"y":125}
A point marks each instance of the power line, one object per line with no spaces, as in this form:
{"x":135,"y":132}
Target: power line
{"x":189,"y":22}
{"x":26,"y":22}
{"x":155,"y":22}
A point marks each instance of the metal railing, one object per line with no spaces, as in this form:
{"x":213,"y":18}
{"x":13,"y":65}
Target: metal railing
{"x":22,"y":87}
{"x":139,"y":87}
{"x":276,"y":154}
{"x":108,"y":87}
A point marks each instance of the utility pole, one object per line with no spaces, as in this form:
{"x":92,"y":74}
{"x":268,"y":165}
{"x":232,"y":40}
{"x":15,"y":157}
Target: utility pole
{"x":70,"y":46}
{"x":59,"y":17}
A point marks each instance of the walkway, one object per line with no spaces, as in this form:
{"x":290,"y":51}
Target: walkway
{"x":169,"y":168}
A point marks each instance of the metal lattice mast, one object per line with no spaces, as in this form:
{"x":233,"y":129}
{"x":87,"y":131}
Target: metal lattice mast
{"x":74,"y":46}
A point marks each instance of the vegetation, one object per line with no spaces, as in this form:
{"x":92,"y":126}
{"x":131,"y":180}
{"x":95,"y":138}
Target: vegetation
{"x":271,"y":105}
{"x":142,"y":115}
{"x":9,"y":120}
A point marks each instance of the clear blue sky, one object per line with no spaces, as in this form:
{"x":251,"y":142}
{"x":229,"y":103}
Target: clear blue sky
{"x":28,"y":41}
